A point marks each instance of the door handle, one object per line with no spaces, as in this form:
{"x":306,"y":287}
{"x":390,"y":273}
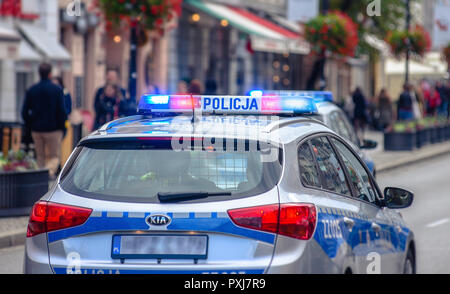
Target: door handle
{"x":376,"y":227}
{"x":349,"y":222}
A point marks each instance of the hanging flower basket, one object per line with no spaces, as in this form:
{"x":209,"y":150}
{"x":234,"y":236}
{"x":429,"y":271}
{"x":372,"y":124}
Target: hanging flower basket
{"x":418,"y":40}
{"x":145,"y":14}
{"x":334,"y":32}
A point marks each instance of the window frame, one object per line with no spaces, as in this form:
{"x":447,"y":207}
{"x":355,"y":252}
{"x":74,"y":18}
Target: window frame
{"x":321,"y":176}
{"x":380,"y":200}
{"x":308,"y":143}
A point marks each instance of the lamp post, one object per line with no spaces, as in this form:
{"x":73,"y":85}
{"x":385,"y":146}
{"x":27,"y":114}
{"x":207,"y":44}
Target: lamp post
{"x":132,"y":78}
{"x":323,"y":80}
{"x":408,"y":25}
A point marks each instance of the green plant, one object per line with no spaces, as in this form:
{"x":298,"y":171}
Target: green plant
{"x":405,"y":127}
{"x":417,"y":40}
{"x":17,"y":161}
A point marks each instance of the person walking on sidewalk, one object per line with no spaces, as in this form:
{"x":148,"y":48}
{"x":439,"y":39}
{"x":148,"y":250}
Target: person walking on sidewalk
{"x":67,"y":97}
{"x":360,"y":112}
{"x":43,"y":112}
{"x":385,"y":109}
{"x":433,"y":100}
{"x":112,"y":79}
{"x":405,"y":105}
{"x":109,"y":105}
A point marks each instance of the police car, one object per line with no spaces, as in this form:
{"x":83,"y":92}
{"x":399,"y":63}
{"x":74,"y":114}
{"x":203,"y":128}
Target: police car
{"x":209,"y":184}
{"x":336,"y":119}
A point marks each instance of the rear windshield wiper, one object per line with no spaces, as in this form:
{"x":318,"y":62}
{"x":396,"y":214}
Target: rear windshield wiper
{"x":183,"y":196}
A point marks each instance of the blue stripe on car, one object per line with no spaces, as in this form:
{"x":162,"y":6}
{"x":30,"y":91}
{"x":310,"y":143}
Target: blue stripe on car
{"x":192,"y":223}
{"x":357,"y":237}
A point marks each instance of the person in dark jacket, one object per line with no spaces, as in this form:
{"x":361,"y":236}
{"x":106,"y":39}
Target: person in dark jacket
{"x":43,"y":112}
{"x":109,"y":105}
{"x":360,"y":112}
{"x":405,"y":105}
{"x":67,"y":97}
{"x":385,"y":109}
{"x":112,"y":78}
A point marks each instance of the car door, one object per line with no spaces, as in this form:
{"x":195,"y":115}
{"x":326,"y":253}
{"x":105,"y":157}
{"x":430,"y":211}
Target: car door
{"x":376,"y":229}
{"x":336,"y":227}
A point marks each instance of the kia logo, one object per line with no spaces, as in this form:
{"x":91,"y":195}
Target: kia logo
{"x":158,"y":220}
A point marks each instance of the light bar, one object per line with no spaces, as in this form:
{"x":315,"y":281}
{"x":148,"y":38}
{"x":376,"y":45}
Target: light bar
{"x":318,"y":96}
{"x":254,"y":104}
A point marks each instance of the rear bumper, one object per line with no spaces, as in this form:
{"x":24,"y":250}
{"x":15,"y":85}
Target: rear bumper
{"x":36,"y":259}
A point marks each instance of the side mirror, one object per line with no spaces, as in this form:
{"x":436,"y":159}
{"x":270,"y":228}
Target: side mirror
{"x":369,"y":144}
{"x":397,"y":198}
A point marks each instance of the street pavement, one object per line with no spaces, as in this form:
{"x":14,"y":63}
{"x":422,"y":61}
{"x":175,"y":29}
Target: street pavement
{"x":11,"y":260}
{"x":429,"y":216}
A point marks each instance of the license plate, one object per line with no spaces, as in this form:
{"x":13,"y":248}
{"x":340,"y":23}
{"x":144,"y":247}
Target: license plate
{"x":159,"y":247}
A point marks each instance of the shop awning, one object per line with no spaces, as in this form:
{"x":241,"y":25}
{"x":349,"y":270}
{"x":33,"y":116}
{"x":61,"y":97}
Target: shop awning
{"x":265,"y":35}
{"x":28,"y":58}
{"x":9,"y":41}
{"x":48,"y":47}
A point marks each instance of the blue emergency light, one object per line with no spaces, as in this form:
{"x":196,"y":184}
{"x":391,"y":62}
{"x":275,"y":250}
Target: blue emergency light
{"x":318,"y":96}
{"x":253,"y":104}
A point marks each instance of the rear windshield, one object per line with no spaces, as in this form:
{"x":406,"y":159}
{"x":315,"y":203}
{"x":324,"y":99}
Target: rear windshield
{"x":137,"y":171}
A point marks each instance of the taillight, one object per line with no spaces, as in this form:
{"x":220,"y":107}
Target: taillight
{"x":293,"y":220}
{"x":49,"y":216}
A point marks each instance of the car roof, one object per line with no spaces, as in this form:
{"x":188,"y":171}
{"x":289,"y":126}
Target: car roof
{"x":324,"y":108}
{"x":282,"y":130}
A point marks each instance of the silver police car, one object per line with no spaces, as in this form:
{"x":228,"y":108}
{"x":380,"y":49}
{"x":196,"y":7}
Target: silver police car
{"x":208,"y":184}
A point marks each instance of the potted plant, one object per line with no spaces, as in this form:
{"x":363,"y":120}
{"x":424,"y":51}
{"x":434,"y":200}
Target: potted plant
{"x":22,"y":183}
{"x":400,"y":137}
{"x":434,"y":130}
{"x":422,"y":133}
{"x":441,"y":123}
{"x":447,"y":127}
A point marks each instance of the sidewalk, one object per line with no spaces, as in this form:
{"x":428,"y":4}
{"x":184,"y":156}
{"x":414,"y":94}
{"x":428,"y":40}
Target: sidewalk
{"x":13,"y":229}
{"x":387,"y":160}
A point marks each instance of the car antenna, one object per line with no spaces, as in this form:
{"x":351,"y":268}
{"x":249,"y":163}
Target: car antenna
{"x":193,"y":109}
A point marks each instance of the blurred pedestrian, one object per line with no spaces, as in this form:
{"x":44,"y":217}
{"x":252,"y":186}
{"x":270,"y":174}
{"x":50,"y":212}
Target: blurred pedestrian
{"x":447,"y":94}
{"x":443,"y":108}
{"x":107,"y":105}
{"x":433,"y":101}
{"x":415,"y":100}
{"x":385,"y":109}
{"x":43,"y":111}
{"x":195,"y":87}
{"x":182,"y":88}
{"x":359,"y":112}
{"x":67,"y":97}
{"x":112,"y":78}
{"x":152,"y":89}
{"x":404,"y":105}
{"x":211,"y":87}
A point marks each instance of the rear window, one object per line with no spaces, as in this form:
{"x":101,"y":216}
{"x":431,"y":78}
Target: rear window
{"x":138,"y":170}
